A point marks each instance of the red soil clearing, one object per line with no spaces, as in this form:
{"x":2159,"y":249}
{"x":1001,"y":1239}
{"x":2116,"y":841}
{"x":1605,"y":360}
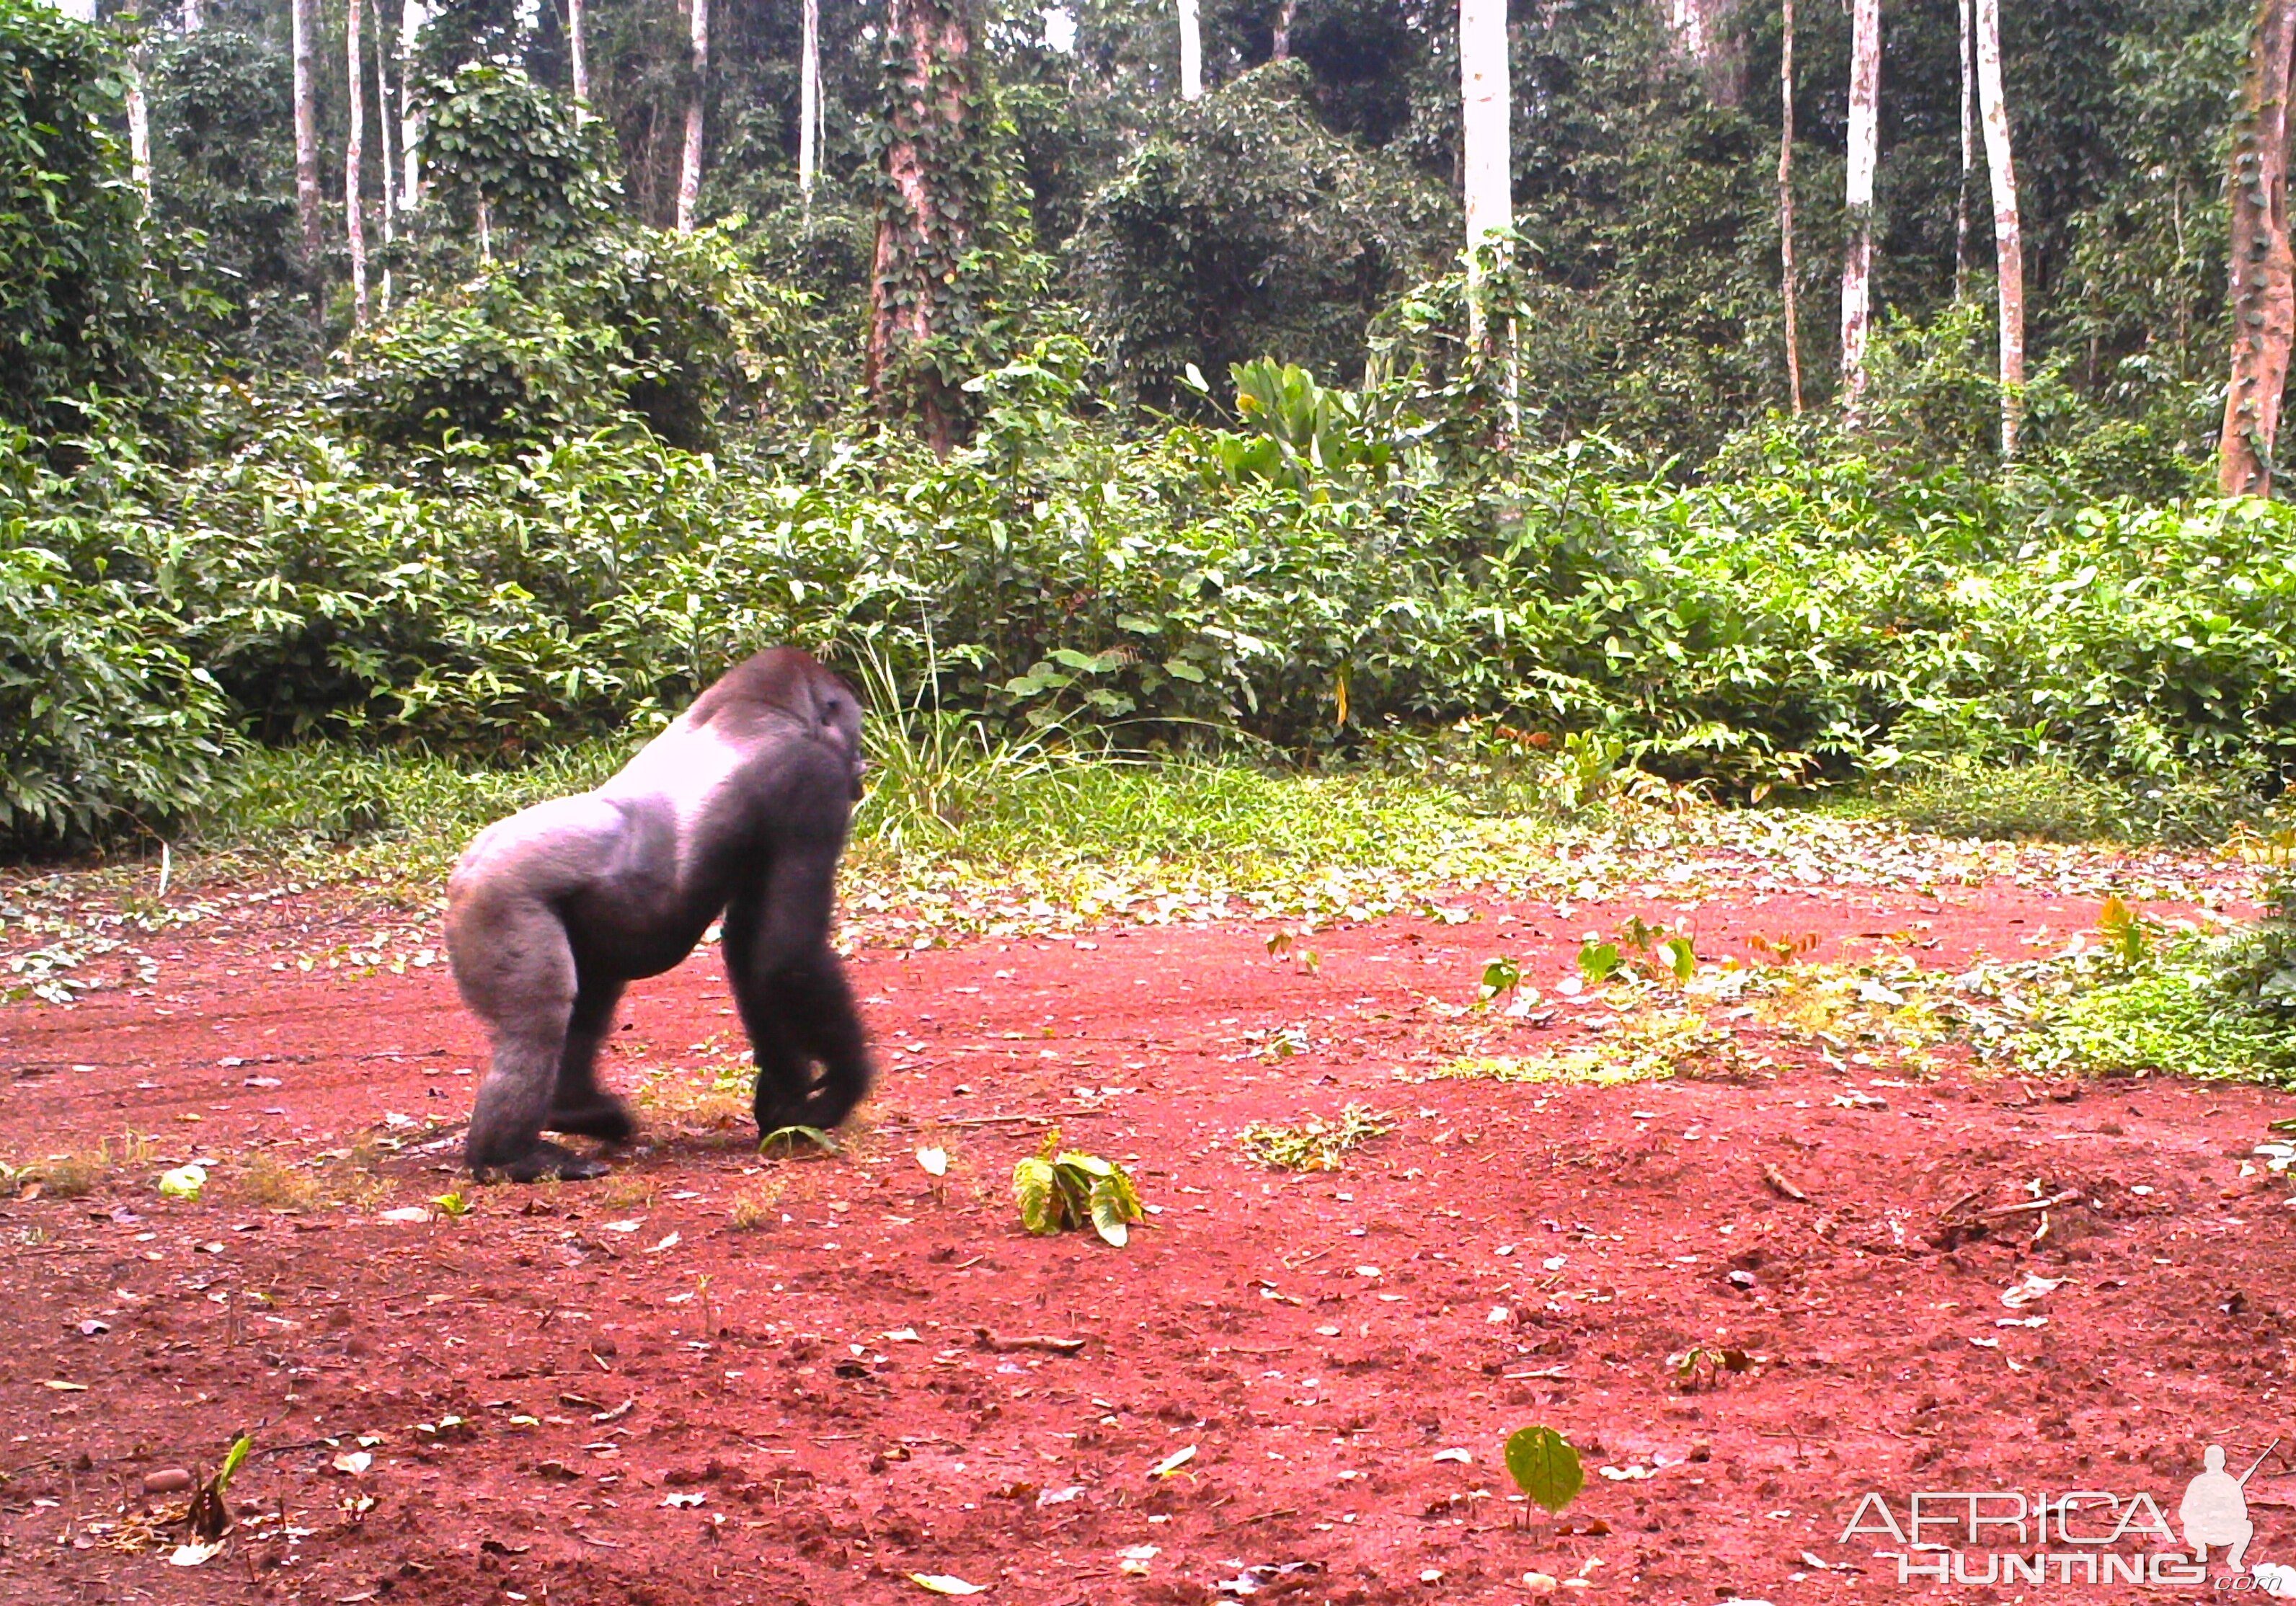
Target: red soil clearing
{"x":657,"y":1406}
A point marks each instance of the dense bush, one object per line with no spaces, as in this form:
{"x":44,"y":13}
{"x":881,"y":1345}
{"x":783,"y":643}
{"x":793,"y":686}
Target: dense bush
{"x":71,"y":287}
{"x":1810,"y":615}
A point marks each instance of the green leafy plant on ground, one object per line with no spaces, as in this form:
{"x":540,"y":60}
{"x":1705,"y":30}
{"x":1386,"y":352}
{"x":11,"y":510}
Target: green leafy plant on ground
{"x":1544,"y":1466}
{"x":1314,"y":1144}
{"x":1061,"y":1188}
{"x":1644,"y":1047}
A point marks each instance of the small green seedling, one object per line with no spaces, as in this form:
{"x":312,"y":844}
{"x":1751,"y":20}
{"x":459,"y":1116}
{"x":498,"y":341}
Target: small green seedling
{"x":1501,"y":976}
{"x":1598,"y":962}
{"x":1314,"y":1145}
{"x":1544,"y":1467}
{"x":2124,"y":932}
{"x":1699,"y":1367}
{"x":1058,"y":1188}
{"x":209,"y":1518}
{"x":453,"y":1206}
{"x":789,"y":1137}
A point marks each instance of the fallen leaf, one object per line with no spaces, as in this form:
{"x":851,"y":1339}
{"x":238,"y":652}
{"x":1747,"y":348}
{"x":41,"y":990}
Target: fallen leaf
{"x":669,"y":1243}
{"x":620,"y":1226}
{"x":695,"y":1498}
{"x":61,"y":1387}
{"x":1459,"y":1456}
{"x":2031,"y":1287}
{"x":194,"y":1554}
{"x":353,"y":1462}
{"x":941,"y":1583}
{"x":934,"y":1160}
{"x":1173,"y":1463}
{"x":406,"y":1213}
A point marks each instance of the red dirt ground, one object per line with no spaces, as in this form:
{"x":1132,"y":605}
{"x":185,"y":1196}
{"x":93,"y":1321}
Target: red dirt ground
{"x":811,"y":1410}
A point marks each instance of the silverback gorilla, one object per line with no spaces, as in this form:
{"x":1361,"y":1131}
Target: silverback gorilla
{"x":739,"y":808}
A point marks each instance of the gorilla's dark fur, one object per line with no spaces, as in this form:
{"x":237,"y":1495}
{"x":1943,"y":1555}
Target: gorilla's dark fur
{"x":740,"y":809}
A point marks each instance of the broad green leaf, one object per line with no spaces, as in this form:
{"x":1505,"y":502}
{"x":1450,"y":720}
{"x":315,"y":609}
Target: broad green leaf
{"x":1544,"y":1467}
{"x":1033,"y":1187}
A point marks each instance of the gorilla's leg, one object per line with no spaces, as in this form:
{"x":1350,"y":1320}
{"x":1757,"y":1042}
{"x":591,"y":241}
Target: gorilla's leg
{"x":579,"y":1104}
{"x":516,"y":973}
{"x":792,"y":996}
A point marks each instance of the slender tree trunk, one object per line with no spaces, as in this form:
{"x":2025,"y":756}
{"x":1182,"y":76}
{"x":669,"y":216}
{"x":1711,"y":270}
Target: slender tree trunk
{"x":383,"y":146}
{"x":1968,"y":159}
{"x":2263,"y":266}
{"x":924,"y":225}
{"x":1863,"y":156}
{"x":808,"y":102}
{"x":303,"y":20}
{"x":354,"y":162}
{"x":2008,"y":232}
{"x":1786,"y":207}
{"x":1280,"y":43}
{"x":139,"y":130}
{"x":195,"y":16}
{"x":577,"y":47}
{"x":1192,"y":52}
{"x":1487,"y":180}
{"x":79,"y":10}
{"x":697,"y":92}
{"x":412,"y":16}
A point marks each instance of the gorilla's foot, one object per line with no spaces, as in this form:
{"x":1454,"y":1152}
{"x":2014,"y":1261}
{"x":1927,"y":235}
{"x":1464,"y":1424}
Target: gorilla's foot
{"x":605,"y":1118}
{"x":544,"y":1159}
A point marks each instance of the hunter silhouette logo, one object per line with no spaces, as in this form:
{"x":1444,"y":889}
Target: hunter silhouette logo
{"x":2078,"y":1536}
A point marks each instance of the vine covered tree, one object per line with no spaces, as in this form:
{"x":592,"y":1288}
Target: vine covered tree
{"x":2263,"y":266}
{"x":937,"y":183}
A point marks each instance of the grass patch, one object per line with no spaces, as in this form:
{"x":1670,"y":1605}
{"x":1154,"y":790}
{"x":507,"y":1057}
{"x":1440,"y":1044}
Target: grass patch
{"x":1642,"y":1048}
{"x":271,"y":1183}
{"x":80,"y":1172}
{"x":2043,"y":800}
{"x":757,"y":1207}
{"x":1314,"y":1144}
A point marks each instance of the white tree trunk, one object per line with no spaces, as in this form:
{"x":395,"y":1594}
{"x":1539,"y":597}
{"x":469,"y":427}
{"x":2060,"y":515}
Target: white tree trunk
{"x":139,"y":130}
{"x":809,"y":102}
{"x":1968,"y":160}
{"x":412,"y":16}
{"x":1863,"y":156}
{"x":689,"y":170}
{"x":195,"y":16}
{"x":389,"y":174}
{"x":2008,"y":234}
{"x":1280,"y":42}
{"x":354,"y":162}
{"x":1192,"y":52}
{"x":577,"y":45}
{"x":1484,"y":114}
{"x":79,"y":10}
{"x":304,"y":24}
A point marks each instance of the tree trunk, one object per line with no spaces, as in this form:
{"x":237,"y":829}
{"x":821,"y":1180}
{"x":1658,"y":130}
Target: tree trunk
{"x":2263,"y":267}
{"x":139,"y":129}
{"x":924,"y":224}
{"x":697,"y":91}
{"x":383,"y":147}
{"x":1192,"y":52}
{"x":1968,"y":160}
{"x":1786,"y":207}
{"x":1280,"y":43}
{"x":195,"y":16}
{"x":355,"y":163}
{"x":808,"y":102}
{"x":1703,"y":34}
{"x":578,"y":48}
{"x":1488,"y":177}
{"x":2008,"y":233}
{"x":304,"y":21}
{"x":412,"y":16}
{"x":1863,"y":156}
